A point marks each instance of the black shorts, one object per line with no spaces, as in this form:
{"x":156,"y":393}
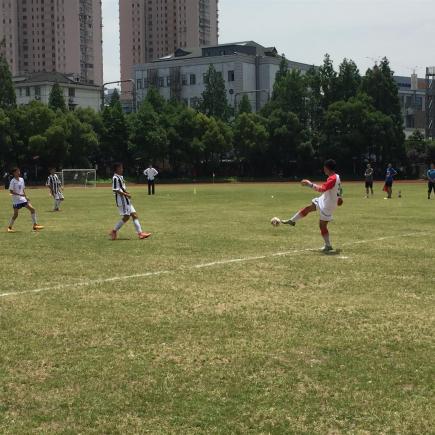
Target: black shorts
{"x":369,"y":184}
{"x":389,"y":183}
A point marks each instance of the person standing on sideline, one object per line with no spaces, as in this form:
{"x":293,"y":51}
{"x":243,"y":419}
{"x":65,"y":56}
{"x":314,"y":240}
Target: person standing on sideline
{"x":368,"y":174}
{"x":151,"y":175}
{"x":431,"y":180}
{"x":389,"y":179}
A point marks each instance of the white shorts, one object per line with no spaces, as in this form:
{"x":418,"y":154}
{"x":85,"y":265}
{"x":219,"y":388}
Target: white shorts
{"x":126,"y":210}
{"x":324,"y":216}
{"x":59,"y":196}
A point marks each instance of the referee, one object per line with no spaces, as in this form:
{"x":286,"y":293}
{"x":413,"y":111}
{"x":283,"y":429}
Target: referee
{"x":151,"y":175}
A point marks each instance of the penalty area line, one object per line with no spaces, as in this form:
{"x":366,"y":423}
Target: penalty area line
{"x":195,"y":267}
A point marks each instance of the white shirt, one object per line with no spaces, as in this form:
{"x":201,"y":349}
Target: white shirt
{"x":331,"y":192}
{"x":150,"y":173}
{"x":18,"y":186}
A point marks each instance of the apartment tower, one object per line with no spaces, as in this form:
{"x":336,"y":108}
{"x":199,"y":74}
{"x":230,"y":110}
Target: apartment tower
{"x":53,"y":35}
{"x":150,"y":29}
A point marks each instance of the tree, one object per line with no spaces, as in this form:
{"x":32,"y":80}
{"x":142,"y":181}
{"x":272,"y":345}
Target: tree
{"x":214,"y":98}
{"x":7,"y":91}
{"x":328,"y":82}
{"x":56,"y":100}
{"x":348,"y":80}
{"x":115,"y":99}
{"x":158,"y":103}
{"x":245,"y":105}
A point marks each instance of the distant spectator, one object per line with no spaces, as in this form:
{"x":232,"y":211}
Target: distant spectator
{"x":151,"y":174}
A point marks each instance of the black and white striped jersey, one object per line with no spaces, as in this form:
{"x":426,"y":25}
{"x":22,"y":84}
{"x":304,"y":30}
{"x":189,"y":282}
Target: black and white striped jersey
{"x":54,"y":183}
{"x":118,"y":185}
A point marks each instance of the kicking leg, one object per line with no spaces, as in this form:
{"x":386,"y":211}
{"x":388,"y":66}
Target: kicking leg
{"x":300,"y":215}
{"x":118,"y":226}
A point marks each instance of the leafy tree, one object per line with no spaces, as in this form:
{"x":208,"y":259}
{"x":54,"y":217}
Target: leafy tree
{"x":283,"y":68}
{"x":214,"y":98}
{"x":7,"y":90}
{"x":115,"y":99}
{"x":56,"y":100}
{"x":328,"y":82}
{"x":348,"y":80}
{"x":158,"y":103}
{"x":245,"y":105}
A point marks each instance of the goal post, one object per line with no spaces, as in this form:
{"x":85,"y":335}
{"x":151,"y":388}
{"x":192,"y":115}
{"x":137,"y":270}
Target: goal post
{"x":79,"y":177}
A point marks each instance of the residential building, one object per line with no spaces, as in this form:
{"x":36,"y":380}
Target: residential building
{"x":412,"y":95}
{"x":150,"y":29}
{"x":53,"y":35}
{"x":247,"y":68}
{"x":38,"y":86}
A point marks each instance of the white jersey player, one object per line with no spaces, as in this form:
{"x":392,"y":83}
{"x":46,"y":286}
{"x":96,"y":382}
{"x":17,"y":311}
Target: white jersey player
{"x":123,"y":202}
{"x":55,"y":186}
{"x":324,"y":204}
{"x":17,"y":189}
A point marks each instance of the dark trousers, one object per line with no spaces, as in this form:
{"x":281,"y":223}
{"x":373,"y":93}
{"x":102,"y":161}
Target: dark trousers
{"x":431,"y":186}
{"x":151,"y":187}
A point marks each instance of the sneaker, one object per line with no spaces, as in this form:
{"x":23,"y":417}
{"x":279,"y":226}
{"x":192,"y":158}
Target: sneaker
{"x":11,"y":230}
{"x":144,"y":235}
{"x":113,"y":235}
{"x":289,"y":222}
{"x":38,"y":227}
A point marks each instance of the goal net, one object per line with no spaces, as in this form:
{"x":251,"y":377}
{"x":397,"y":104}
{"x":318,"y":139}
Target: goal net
{"x":79,"y":177}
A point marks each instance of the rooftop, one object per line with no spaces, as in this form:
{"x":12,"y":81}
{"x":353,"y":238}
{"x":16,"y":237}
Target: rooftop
{"x":50,"y":77}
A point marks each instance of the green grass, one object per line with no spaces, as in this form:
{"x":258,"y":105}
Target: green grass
{"x":303,"y":343}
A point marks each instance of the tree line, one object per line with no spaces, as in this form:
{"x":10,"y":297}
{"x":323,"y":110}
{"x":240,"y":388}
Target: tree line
{"x":324,"y":113}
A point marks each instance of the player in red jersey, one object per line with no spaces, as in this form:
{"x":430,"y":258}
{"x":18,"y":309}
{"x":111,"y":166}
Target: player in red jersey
{"x":325,"y":204}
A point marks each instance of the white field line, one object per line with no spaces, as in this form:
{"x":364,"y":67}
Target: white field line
{"x":194,"y":267}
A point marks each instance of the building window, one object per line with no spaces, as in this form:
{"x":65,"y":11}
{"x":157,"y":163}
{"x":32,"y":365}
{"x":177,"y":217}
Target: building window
{"x":194,"y":102}
{"x":27,"y":91}
{"x":37,"y":91}
{"x":231,"y":76}
{"x":192,"y":79}
{"x":71,"y":92}
{"x":184,"y":79}
{"x":161,"y":82}
{"x":139,"y":84}
{"x":168,"y":81}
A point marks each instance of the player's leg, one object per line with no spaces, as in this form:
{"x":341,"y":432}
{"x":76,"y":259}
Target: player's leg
{"x":367,"y":190}
{"x":118,"y":226}
{"x":300,"y":215}
{"x":12,"y":221}
{"x":371,"y":188}
{"x":138,"y":227}
{"x":431,"y":186}
{"x":154,"y":187}
{"x":149,"y":187}
{"x":323,"y":225}
{"x":32,"y":211}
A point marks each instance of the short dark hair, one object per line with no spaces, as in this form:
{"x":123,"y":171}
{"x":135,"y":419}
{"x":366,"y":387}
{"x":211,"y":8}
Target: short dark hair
{"x":14,"y":169}
{"x":117,"y":165}
{"x":330,"y":164}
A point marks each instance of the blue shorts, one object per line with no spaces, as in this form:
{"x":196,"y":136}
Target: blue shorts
{"x":21,"y":205}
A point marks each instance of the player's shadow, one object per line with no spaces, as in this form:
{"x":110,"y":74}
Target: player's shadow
{"x":331,"y":253}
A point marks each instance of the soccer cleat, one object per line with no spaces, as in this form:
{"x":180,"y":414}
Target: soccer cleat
{"x":144,"y":235}
{"x":11,"y":230}
{"x":327,"y":249}
{"x":289,"y":222}
{"x":113,"y":235}
{"x":37,"y":227}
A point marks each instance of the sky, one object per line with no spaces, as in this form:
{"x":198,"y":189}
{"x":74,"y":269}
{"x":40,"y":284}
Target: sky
{"x":304,"y":30}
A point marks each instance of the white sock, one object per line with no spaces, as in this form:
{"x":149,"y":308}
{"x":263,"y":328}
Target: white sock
{"x":34,"y":220}
{"x":56,"y":204}
{"x":119,"y":225}
{"x":297,"y":217}
{"x":137,"y":225}
{"x":326,"y":239}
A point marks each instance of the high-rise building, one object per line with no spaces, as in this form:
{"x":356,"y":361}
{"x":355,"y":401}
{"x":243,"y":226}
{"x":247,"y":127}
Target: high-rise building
{"x":151,"y":29}
{"x":53,"y":35}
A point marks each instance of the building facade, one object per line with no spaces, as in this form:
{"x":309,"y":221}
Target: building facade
{"x":38,"y":86}
{"x":53,"y":35}
{"x":246,"y":67}
{"x":150,"y":29}
{"x":412,"y":95}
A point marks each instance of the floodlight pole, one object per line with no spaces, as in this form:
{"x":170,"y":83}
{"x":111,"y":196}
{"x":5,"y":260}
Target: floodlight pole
{"x":103,"y":88}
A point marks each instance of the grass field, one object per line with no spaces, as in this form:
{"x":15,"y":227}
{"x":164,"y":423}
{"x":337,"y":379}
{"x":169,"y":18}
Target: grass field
{"x":299,"y":343}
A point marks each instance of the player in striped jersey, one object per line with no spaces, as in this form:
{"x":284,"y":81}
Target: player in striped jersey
{"x":55,"y":186}
{"x":123,"y":202}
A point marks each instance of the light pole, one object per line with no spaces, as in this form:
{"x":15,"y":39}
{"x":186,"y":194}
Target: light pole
{"x":118,"y":82}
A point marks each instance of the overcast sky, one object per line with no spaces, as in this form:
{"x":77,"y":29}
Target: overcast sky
{"x":363,"y":30}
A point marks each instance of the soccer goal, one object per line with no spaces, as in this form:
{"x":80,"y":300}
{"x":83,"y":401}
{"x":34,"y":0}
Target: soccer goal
{"x":79,"y":177}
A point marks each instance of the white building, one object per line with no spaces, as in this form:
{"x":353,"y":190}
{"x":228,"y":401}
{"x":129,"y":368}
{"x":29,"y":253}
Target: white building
{"x":38,"y":86}
{"x":247,"y":68}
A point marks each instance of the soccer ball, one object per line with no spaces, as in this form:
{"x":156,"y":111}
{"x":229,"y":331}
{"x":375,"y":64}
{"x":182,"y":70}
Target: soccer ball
{"x":275,"y":221}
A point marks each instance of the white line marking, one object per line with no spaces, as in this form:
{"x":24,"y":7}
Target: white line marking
{"x":194,"y":267}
